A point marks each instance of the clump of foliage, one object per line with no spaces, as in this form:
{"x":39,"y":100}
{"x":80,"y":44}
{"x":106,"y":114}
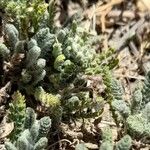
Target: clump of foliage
{"x":52,"y":66}
{"x":135,"y":116}
{"x":27,"y":15}
{"x":107,"y":142}
{"x":33,"y":137}
{"x":16,"y":114}
{"x":80,"y":105}
{"x":54,"y":60}
{"x":50,"y":102}
{"x":103,"y":62}
{"x":34,"y":70}
{"x":124,"y":143}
